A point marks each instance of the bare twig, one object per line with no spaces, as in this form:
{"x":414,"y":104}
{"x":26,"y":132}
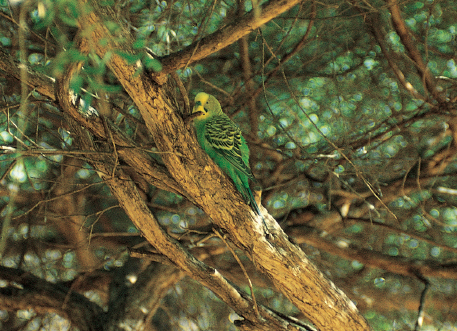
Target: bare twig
{"x":410,"y":45}
{"x":224,"y":37}
{"x":256,"y":308}
{"x":420,"y":312}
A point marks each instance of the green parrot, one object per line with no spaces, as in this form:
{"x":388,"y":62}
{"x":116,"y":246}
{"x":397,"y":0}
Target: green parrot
{"x":221,"y":139}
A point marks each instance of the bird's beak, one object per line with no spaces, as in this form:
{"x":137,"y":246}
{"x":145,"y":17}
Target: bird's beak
{"x":190,"y":117}
{"x":198,"y":107}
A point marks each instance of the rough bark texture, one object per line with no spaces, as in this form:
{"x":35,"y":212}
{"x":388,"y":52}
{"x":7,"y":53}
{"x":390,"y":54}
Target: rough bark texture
{"x":283,"y":262}
{"x":191,"y":173}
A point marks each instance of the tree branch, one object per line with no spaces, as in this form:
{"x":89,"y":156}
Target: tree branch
{"x":224,"y":37}
{"x":375,"y":24}
{"x":373,"y":259}
{"x":410,"y":45}
{"x":41,"y":83}
{"x":288,"y":267}
{"x":155,"y":173}
{"x":135,"y":304}
{"x":123,"y":188}
{"x":26,"y":291}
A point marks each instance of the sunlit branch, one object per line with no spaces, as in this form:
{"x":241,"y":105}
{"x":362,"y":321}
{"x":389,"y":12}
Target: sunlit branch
{"x":225,"y":36}
{"x":217,"y":196}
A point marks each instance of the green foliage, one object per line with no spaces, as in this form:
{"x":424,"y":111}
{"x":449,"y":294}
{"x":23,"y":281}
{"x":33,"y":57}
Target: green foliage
{"x":331,"y":125}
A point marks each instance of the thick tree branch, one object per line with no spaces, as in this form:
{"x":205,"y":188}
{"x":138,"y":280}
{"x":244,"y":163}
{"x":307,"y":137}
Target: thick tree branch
{"x":126,"y":193}
{"x":287,"y":266}
{"x":146,"y":166}
{"x":123,"y":188}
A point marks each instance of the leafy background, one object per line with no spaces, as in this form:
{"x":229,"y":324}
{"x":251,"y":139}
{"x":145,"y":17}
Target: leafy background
{"x":332,"y":132}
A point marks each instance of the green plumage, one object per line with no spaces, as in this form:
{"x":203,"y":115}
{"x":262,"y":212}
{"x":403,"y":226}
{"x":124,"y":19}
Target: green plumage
{"x":221,"y":139}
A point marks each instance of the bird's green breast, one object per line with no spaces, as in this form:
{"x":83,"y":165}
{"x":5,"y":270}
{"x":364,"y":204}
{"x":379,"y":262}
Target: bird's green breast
{"x":200,"y":130}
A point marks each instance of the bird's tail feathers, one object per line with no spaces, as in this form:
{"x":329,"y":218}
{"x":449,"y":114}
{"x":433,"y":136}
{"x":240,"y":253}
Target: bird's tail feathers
{"x":252,"y":202}
{"x":249,"y":198}
{"x":256,"y":208}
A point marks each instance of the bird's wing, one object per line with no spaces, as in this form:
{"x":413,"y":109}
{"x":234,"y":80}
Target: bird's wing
{"x":225,"y":138}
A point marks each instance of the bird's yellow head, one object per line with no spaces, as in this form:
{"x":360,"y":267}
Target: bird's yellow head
{"x":207,"y":105}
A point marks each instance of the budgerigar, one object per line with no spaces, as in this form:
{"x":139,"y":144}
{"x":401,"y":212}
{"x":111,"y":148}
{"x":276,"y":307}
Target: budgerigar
{"x":221,"y":139}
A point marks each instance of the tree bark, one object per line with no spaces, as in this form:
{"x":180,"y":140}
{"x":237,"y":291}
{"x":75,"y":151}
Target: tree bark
{"x":284,"y":263}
